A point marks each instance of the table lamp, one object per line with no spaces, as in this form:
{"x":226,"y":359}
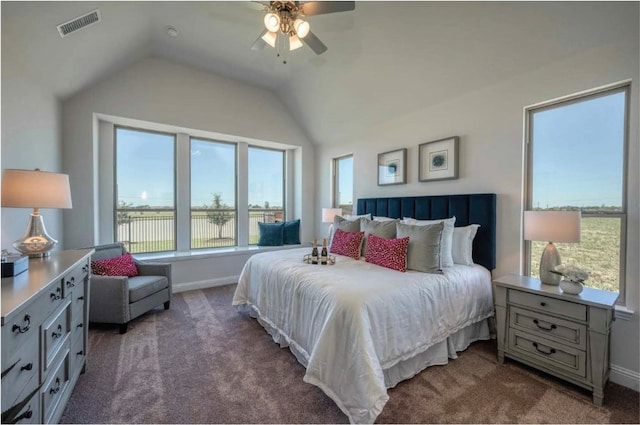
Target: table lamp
{"x":328,"y":215}
{"x":551,"y":226}
{"x":35,"y":189}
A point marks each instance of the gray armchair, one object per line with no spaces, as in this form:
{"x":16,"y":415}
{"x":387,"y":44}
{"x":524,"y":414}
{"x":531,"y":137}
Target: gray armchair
{"x":119,"y":299}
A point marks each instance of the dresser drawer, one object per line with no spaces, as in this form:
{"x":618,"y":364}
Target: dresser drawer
{"x":30,"y":413}
{"x":77,"y":354}
{"x":551,"y":327}
{"x":56,"y":384}
{"x":21,"y":376}
{"x":24,"y":324}
{"x":75,"y":278}
{"x":549,"y":354}
{"x":55,"y":331}
{"x":549,"y":305}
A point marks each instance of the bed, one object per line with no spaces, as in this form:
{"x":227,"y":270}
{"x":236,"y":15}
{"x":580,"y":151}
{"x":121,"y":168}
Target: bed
{"x":359,"y":328}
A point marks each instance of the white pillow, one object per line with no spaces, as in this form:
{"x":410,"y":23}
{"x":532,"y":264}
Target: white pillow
{"x":377,"y":218}
{"x":446,"y":245}
{"x":356,"y":217}
{"x":462,"y":248}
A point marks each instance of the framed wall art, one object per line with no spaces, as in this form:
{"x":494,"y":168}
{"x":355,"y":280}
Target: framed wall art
{"x":438,"y":160}
{"x":392,"y":168}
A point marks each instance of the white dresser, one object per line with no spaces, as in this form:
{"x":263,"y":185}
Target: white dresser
{"x":44,"y":334}
{"x":561,"y":334}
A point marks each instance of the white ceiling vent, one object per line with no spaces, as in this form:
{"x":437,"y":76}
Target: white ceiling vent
{"x":78,"y":23}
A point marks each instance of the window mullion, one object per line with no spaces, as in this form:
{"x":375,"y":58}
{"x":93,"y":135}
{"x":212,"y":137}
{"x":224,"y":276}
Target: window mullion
{"x":183,"y":193}
{"x":243,"y":194}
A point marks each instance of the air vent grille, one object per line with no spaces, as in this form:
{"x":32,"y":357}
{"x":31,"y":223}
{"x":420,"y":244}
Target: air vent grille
{"x":78,"y":23}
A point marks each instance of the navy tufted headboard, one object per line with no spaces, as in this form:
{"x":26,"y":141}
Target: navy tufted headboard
{"x":469,"y":209}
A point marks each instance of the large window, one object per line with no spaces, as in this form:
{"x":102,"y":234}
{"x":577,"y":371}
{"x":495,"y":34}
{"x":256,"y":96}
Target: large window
{"x":145,"y":213}
{"x":576,"y":161}
{"x":266,"y":188}
{"x":343,"y":184}
{"x":213,"y":194}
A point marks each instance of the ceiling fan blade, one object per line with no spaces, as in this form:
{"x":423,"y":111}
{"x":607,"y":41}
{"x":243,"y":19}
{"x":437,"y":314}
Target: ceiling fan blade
{"x":321,"y":7}
{"x":259,"y":44}
{"x":314,"y":42}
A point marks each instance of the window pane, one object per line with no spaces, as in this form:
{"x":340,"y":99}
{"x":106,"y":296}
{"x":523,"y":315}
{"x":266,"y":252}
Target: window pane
{"x":145,"y":187}
{"x":344,"y":184}
{"x":213,"y":194}
{"x":598,"y":252}
{"x":266,"y":189}
{"x":578,"y":154}
{"x":577,"y":163}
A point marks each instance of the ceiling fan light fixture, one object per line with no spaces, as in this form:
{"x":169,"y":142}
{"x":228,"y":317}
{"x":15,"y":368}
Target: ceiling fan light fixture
{"x":294,"y":42}
{"x":272,"y":22}
{"x":270,"y":38}
{"x":301,"y":27}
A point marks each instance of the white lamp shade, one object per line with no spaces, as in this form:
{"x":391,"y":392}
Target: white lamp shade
{"x":272,"y":22}
{"x":294,"y":42}
{"x":35,"y":189}
{"x":270,"y":38}
{"x":301,"y":27}
{"x":552,"y":226}
{"x":329,"y":213}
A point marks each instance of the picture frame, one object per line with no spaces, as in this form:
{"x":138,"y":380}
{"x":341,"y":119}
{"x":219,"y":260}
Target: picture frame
{"x":392,"y":168}
{"x":438,"y":160}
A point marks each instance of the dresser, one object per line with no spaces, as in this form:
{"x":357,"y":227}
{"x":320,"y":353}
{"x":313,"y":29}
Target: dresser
{"x":44,"y":334}
{"x":561,"y":334}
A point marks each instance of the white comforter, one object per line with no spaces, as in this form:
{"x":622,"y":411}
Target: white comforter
{"x":348,"y":322}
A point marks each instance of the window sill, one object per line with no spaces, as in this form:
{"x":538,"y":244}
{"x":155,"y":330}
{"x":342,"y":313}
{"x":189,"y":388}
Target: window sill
{"x":209,"y":253}
{"x":623,"y":313}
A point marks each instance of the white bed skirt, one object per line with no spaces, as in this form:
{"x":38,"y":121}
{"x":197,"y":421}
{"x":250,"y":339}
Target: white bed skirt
{"x":438,"y":354}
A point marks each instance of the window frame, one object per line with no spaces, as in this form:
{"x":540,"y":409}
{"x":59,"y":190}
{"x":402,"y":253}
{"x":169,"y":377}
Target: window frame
{"x":174,"y":136}
{"x":284,"y":174}
{"x":335,"y":201}
{"x":620,"y":87}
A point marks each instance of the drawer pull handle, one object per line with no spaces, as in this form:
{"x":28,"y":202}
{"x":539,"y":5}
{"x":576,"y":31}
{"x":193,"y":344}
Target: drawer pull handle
{"x":57,"y":388}
{"x":27,"y":318}
{"x":71,"y":282}
{"x":79,"y":353}
{"x":81,"y":298}
{"x":79,"y":325}
{"x":58,"y":334}
{"x":85,"y":268}
{"x":28,"y":366}
{"x":25,"y":415}
{"x":57,"y":294}
{"x":551,"y":350}
{"x":543,"y":304}
{"x":552,"y":327}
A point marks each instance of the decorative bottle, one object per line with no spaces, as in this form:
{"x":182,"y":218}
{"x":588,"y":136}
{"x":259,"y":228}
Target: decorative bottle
{"x":314,"y":252}
{"x":323,"y":253}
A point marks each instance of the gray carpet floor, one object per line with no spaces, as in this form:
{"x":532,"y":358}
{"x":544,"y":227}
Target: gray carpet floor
{"x":203,"y":362}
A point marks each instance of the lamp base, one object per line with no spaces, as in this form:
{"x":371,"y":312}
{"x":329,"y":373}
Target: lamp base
{"x":35,"y":243}
{"x":550,"y":259}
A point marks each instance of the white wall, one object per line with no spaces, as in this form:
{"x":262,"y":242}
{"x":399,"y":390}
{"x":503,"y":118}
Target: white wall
{"x":489,"y":122}
{"x":30,"y":139}
{"x":159,"y":91}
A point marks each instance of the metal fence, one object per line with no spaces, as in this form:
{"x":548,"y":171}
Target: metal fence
{"x":154,"y":230}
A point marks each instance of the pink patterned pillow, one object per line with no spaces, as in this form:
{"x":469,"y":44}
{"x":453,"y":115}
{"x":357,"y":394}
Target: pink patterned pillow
{"x":117,"y":266}
{"x":390,"y":253}
{"x":347,"y":243}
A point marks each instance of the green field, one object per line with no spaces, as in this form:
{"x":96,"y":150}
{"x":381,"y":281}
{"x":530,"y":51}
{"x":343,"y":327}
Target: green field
{"x":598,"y":252}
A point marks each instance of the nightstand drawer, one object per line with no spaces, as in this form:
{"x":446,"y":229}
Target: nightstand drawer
{"x":554,"y":328}
{"x":549,"y":305}
{"x":549,"y":353}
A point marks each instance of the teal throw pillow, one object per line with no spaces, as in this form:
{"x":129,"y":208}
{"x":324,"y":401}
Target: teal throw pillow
{"x":271,"y":234}
{"x":292,"y":232}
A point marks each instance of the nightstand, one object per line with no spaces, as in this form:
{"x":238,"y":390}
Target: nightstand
{"x":561,"y":334}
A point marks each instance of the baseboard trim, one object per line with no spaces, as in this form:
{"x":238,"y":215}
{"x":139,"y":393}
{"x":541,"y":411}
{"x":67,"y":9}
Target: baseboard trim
{"x":201,"y":284}
{"x":625,"y":377}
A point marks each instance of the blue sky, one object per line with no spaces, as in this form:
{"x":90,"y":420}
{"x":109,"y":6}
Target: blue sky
{"x":145,"y":171}
{"x":578,"y":153}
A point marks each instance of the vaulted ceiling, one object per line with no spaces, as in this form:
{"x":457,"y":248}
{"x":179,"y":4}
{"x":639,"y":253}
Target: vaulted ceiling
{"x":385,"y":57}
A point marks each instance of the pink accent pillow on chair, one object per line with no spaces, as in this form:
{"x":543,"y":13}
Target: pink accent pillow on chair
{"x":347,"y":243}
{"x":389,"y":253}
{"x":117,"y":266}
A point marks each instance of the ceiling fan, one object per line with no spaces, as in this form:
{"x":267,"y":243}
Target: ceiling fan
{"x":284,"y":22}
